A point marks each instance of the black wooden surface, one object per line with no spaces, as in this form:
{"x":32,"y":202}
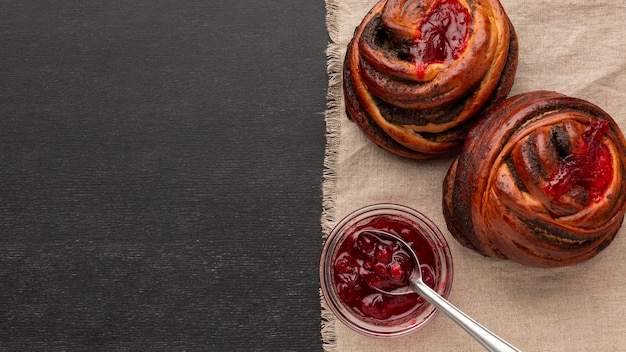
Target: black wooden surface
{"x":160,"y":171}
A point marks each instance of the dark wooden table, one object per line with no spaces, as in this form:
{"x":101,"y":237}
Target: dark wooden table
{"x":160,"y":169}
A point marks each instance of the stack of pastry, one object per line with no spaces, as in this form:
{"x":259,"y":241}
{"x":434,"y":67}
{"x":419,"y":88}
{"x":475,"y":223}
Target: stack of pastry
{"x":418,"y":73}
{"x":539,"y":177}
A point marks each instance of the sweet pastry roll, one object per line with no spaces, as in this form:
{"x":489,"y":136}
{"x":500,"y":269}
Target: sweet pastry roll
{"x":417,"y":73}
{"x":539,"y":180}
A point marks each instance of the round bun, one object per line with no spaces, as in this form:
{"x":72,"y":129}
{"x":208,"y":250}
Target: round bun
{"x":539,"y":181}
{"x":417,"y":73}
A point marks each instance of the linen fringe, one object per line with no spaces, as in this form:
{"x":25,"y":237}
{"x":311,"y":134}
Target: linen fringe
{"x":333,"y":128}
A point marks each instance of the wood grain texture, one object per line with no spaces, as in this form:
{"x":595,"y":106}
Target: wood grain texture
{"x":160,"y":172}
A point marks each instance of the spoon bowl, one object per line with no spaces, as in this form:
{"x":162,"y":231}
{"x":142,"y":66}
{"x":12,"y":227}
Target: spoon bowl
{"x":416,"y":272}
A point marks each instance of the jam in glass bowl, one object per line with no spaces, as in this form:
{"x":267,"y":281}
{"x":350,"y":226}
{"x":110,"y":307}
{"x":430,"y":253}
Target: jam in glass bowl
{"x":353,"y":261}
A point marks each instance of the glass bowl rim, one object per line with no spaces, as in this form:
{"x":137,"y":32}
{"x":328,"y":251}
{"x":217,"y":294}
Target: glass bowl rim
{"x":429,"y":229}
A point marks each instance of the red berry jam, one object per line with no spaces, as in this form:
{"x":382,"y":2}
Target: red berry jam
{"x":366,"y":260}
{"x":355,"y":259}
{"x":442,"y":35}
{"x":589,"y":167}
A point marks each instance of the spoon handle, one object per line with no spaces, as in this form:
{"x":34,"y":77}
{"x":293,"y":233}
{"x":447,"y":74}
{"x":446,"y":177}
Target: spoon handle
{"x":485,"y":337}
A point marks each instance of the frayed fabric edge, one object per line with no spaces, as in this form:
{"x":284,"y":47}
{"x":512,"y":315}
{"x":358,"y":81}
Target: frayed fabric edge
{"x":333,"y":129}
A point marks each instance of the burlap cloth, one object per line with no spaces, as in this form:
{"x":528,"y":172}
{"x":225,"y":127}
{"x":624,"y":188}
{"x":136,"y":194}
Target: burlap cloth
{"x":575,"y":47}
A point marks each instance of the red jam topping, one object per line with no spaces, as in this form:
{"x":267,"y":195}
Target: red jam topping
{"x":442,"y":35}
{"x":589,"y":167}
{"x":366,"y":260}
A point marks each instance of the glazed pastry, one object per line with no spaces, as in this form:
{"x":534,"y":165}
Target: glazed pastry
{"x":539,"y":180}
{"x":417,"y":73}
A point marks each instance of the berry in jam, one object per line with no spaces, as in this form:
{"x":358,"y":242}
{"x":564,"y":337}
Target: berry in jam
{"x":590,"y":167}
{"x":366,"y":260}
{"x":442,"y":35}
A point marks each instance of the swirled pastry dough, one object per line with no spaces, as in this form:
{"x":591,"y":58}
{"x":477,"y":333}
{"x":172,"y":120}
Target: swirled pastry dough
{"x":539,"y":180}
{"x":417,"y":73}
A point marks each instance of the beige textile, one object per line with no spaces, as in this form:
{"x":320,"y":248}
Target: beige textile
{"x":575,"y":47}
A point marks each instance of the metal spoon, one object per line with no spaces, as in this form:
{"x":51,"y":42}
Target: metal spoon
{"x":416,"y":285}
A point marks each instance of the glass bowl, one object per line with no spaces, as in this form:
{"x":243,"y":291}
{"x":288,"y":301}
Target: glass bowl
{"x":349,"y":261}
